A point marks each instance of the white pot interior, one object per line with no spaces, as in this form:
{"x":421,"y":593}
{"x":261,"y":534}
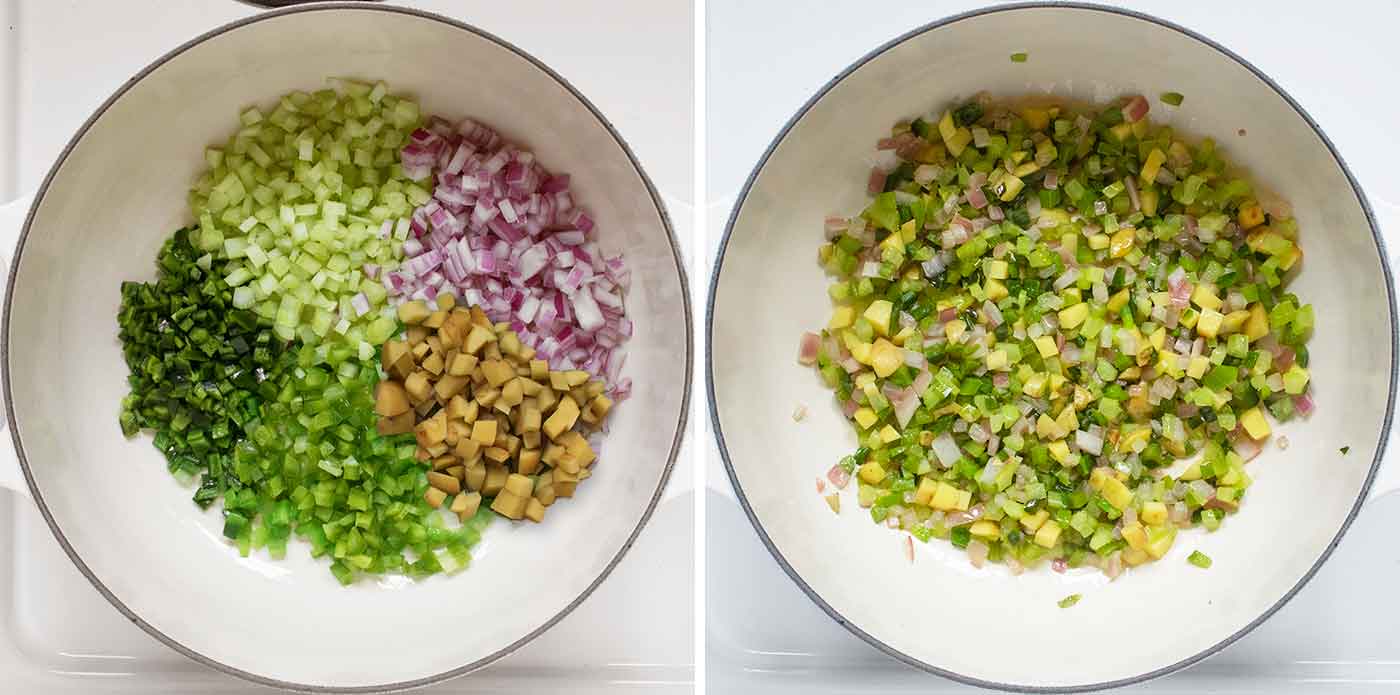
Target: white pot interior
{"x":986,"y":625}
{"x":120,"y":192}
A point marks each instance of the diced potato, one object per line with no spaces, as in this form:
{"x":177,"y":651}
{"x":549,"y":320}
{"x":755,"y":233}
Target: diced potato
{"x":444,"y":462}
{"x":1251,"y":215}
{"x":1135,"y":536}
{"x":435,"y":497}
{"x":478,"y":338}
{"x":1117,"y":493}
{"x":420,"y":350}
{"x":390,"y":399}
{"x":415,"y":335}
{"x":1046,"y":346}
{"x":1153,"y":513}
{"x":1032,"y":522}
{"x":462,"y":364}
{"x":449,"y":386}
{"x":534,"y":510}
{"x":1209,"y":324}
{"x":435,"y":319}
{"x":879,"y":314}
{"x":539,"y":370}
{"x":497,"y":372}
{"x":432,"y":431}
{"x":414,"y":312}
{"x":509,"y":505}
{"x":398,"y":424}
{"x":984,"y":528}
{"x":476,"y":477}
{"x":1254,"y":423}
{"x":520,"y":485}
{"x":1071,"y":317}
{"x":528,"y":462}
{"x":444,"y":482}
{"x":579,"y":447}
{"x":545,"y":492}
{"x":496,"y":475}
{"x":601,"y":406}
{"x":1049,"y":535}
{"x":484,"y":432}
{"x":564,"y":417}
{"x":565,"y":483}
{"x":576,"y":377}
{"x":1160,"y":540}
{"x":392,"y":352}
{"x":1257,"y":325}
{"x":487,"y":397}
{"x":512,"y":393}
{"x":418,"y":387}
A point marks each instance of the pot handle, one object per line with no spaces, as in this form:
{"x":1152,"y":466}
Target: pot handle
{"x":12,"y":217}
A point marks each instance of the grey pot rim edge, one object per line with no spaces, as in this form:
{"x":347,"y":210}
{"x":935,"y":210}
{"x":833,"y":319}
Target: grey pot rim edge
{"x":733,"y":475}
{"x":672,"y":454}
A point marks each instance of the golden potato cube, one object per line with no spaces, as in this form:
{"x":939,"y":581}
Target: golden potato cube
{"x":487,"y":397}
{"x":497,"y":372}
{"x":1153,"y":513}
{"x":512,"y":393}
{"x":473,"y":412}
{"x":497,"y":454}
{"x":435,"y":497}
{"x":436,"y":450}
{"x":459,"y":472}
{"x":478,"y":338}
{"x":529,"y":419}
{"x":432,"y":363}
{"x":419,"y":351}
{"x":414,"y":312}
{"x":467,"y":449}
{"x":415,"y":335}
{"x":446,"y":300}
{"x":484,"y":432}
{"x":576,"y":377}
{"x":462,"y":364}
{"x":479,"y":317}
{"x":567,"y":462}
{"x":435,"y":319}
{"x":601,"y":406}
{"x":588,"y":417}
{"x":391,"y":353}
{"x":510,"y":343}
{"x":418,"y":387}
{"x":398,"y":424}
{"x":539,"y":370}
{"x":456,"y":431}
{"x":530,"y":440}
{"x":457,"y":408}
{"x":476,"y":477}
{"x":529,"y":463}
{"x":559,"y":381}
{"x":595,"y":389}
{"x":444,"y":482}
{"x":444,"y":462}
{"x":496,"y":475}
{"x":545,"y":494}
{"x":563,"y":419}
{"x":509,"y":506}
{"x":564,"y":483}
{"x":449,"y":386}
{"x":520,"y":485}
{"x":551,"y":454}
{"x":432,"y":431}
{"x":1048,"y":535}
{"x":466,"y":505}
{"x":579,"y":447}
{"x":529,"y":387}
{"x":546,"y":400}
{"x":534,"y":510}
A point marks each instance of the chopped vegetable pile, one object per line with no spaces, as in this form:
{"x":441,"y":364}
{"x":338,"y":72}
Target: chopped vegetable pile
{"x":491,"y":418}
{"x":1059,"y":333}
{"x":255,"y":356}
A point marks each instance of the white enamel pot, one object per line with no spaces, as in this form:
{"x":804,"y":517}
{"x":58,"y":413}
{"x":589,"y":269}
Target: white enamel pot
{"x":118,"y":190}
{"x":987,"y":627}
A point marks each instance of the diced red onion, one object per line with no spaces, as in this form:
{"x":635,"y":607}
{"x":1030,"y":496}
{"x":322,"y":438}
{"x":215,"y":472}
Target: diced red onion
{"x":807,"y":351}
{"x":946,"y":449}
{"x":1033,"y":207}
{"x":1304,"y":404}
{"x":995,"y":213}
{"x":1135,"y":109}
{"x":976,"y":198}
{"x":876,"y":184}
{"x":1052,"y":179}
{"x":1129,"y":184}
{"x":977,"y":553}
{"x":838,"y":477}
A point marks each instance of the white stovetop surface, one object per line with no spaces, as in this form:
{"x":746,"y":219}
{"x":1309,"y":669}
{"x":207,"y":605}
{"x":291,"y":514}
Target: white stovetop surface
{"x":59,"y":59}
{"x":765,"y":60}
